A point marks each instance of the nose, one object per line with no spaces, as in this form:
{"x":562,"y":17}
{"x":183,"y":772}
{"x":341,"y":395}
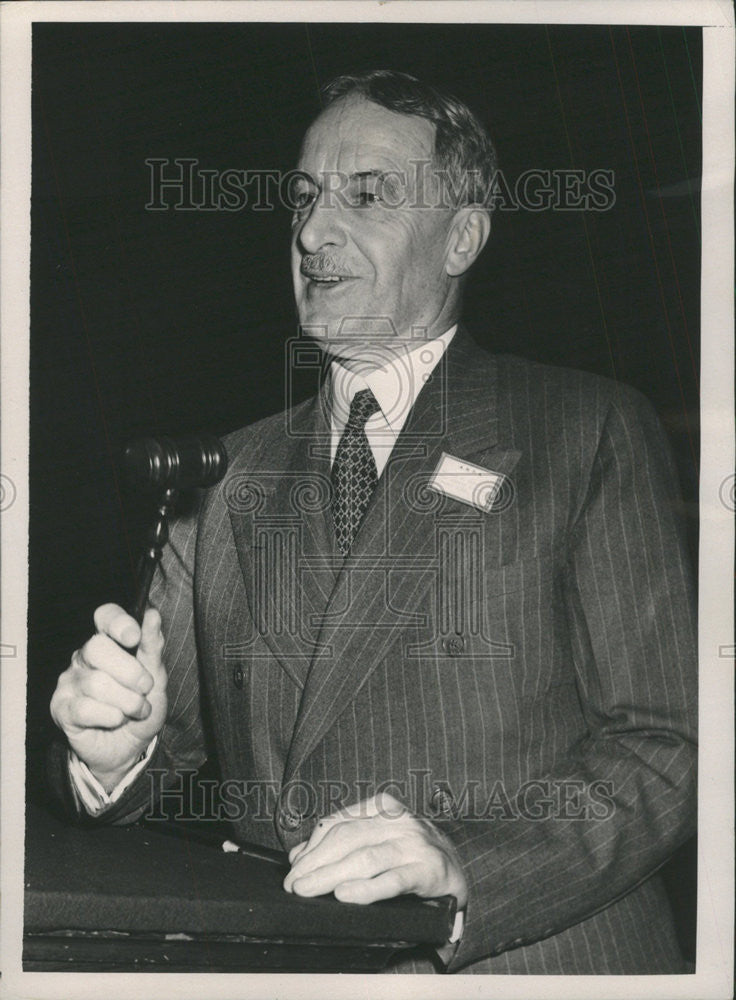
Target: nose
{"x":321,"y":225}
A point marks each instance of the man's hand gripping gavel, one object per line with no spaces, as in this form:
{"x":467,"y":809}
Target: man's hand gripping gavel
{"x":111,"y":700}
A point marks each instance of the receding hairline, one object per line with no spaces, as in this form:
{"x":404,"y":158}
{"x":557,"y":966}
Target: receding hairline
{"x":357,"y":97}
{"x":458,"y":142}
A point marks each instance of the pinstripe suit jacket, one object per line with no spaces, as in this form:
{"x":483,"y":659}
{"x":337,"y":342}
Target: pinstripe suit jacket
{"x":525,"y":677}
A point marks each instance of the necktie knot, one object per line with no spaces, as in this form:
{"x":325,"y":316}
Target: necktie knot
{"x":363,"y":406}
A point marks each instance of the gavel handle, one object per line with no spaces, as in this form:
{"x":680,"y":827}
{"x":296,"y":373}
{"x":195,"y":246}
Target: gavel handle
{"x":157,"y":538}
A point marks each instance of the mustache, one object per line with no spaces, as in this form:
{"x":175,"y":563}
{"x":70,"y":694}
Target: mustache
{"x":322,"y":263}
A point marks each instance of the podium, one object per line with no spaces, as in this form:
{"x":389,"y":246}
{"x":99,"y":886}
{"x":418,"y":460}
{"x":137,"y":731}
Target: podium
{"x":135,"y":898}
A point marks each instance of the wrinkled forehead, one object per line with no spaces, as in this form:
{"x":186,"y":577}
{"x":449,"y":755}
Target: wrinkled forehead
{"x":355,"y":134}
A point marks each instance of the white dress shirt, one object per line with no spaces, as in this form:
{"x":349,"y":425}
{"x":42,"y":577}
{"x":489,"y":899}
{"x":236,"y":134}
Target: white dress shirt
{"x":89,"y":792}
{"x":395,"y":386}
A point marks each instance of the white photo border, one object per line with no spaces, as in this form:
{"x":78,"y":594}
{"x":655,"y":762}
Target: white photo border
{"x":715,"y":936}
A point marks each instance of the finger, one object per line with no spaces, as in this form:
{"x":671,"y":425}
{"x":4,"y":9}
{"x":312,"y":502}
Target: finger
{"x":87,"y":713}
{"x":364,"y":862}
{"x":152,"y":641}
{"x":296,"y":851}
{"x":104,"y":654}
{"x":102,"y":687}
{"x":382,"y":804}
{"x":395,"y":882}
{"x":320,"y":831}
{"x":112,"y":620}
{"x":339,"y":841}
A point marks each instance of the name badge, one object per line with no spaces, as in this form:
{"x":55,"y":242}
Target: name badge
{"x":466,"y":482}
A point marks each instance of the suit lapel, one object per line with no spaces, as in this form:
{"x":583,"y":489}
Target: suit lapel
{"x":283,"y":535}
{"x":382,"y":585}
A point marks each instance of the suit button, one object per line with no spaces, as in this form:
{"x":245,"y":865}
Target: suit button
{"x":442,"y":801}
{"x":289,"y":819}
{"x":238,"y":677}
{"x":454,"y":645}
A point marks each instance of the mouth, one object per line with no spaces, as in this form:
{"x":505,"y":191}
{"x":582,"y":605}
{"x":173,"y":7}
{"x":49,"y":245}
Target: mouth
{"x":327,"y":279}
{"x":321,"y":269}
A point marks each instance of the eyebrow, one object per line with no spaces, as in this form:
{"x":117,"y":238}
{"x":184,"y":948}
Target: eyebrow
{"x":356,"y":175}
{"x":375,"y":172}
{"x":392,"y":178}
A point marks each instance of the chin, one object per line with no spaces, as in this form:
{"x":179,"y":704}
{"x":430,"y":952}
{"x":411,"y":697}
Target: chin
{"x":323,"y":328}
{"x":339,"y":348}
{"x":374,"y":341}
{"x":318,"y":330}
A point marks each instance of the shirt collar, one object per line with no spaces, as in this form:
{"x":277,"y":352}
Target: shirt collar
{"x":395,"y":385}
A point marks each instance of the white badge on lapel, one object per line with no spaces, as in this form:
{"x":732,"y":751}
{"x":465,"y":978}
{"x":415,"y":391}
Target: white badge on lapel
{"x":466,"y":482}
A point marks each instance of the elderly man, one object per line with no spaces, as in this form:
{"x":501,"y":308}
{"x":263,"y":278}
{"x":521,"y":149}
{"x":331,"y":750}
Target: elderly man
{"x":450,"y":590}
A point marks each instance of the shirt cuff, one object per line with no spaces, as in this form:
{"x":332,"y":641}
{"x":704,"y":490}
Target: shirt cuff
{"x":447,"y":951}
{"x":458,"y":927}
{"x":88,"y":791}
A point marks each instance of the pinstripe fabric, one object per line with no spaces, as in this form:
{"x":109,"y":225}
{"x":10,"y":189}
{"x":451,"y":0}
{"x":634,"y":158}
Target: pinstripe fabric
{"x":460,"y":654}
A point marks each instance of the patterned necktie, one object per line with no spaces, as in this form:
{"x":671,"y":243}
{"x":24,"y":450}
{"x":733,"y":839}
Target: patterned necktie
{"x":354,"y":474}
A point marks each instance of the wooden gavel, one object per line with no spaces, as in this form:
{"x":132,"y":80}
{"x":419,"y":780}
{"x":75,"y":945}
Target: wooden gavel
{"x":169,"y":465}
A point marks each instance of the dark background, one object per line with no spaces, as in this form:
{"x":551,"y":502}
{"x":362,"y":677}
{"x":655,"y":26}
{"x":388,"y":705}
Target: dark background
{"x":175,"y":322}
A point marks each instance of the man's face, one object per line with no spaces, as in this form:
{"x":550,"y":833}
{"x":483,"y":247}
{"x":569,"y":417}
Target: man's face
{"x":368,"y":263}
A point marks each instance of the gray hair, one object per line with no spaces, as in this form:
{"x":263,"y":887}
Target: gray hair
{"x":463,"y":149}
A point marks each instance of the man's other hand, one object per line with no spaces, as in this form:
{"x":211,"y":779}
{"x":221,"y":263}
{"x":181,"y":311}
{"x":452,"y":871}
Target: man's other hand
{"x":109,"y":702}
{"x":373,"y":850}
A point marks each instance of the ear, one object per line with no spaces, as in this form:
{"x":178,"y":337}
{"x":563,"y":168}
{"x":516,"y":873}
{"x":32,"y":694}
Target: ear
{"x":469,"y":232}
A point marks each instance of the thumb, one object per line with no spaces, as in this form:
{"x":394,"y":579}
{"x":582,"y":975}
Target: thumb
{"x":152,"y":640}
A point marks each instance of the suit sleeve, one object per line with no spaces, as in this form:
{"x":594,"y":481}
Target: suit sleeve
{"x":631,"y":621}
{"x":180,"y":748}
